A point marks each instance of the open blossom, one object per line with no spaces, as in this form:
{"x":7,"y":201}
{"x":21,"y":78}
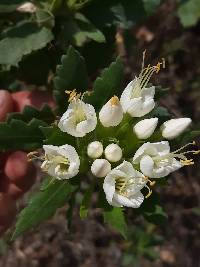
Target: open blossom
{"x":79,"y":119}
{"x":156,"y":160}
{"x":111,"y":113}
{"x":61,"y":162}
{"x":122,"y":186}
{"x":137,"y":99}
{"x":174,"y":127}
{"x":145,"y":128}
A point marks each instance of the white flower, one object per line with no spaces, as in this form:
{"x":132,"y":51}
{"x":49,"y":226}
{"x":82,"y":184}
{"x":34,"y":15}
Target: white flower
{"x":79,"y":119}
{"x":111,"y":113}
{"x":61,"y":162}
{"x":27,"y":7}
{"x":174,"y":127}
{"x":137,"y":99}
{"x":95,"y":149}
{"x":113,"y":152}
{"x":122,"y":186}
{"x":156,"y":160}
{"x":100,"y":167}
{"x":145,"y":128}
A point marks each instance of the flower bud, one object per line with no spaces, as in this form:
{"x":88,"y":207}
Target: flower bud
{"x":95,"y":149}
{"x":111,"y":113}
{"x":27,"y":7}
{"x":174,"y":127}
{"x":113,"y":153}
{"x":145,"y":128}
{"x":100,"y":167}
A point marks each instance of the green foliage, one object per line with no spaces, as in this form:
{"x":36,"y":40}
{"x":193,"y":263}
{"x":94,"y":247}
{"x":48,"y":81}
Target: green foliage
{"x":45,"y":114}
{"x":43,"y":205}
{"x":106,"y":86}
{"x":115,"y":218}
{"x":86,"y":202}
{"x":55,"y":136}
{"x":189,"y":12}
{"x":71,"y":74}
{"x":21,"y":40}
{"x":143,"y":240}
{"x":78,"y":29}
{"x":20,"y":135}
{"x":151,"y":5}
{"x":7,"y":6}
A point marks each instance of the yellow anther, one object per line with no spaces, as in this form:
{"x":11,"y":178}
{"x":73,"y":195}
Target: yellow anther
{"x":193,"y":143}
{"x":149,"y":194}
{"x":187,"y":162}
{"x":196,"y":152}
{"x":158,"y":67}
{"x":114,"y":101}
{"x":73,"y":95}
{"x":88,"y":93}
{"x":32,"y":155}
{"x":152,"y":183}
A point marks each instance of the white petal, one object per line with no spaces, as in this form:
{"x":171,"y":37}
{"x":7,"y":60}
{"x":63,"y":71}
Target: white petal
{"x":134,"y":202}
{"x":145,"y":128}
{"x":174,"y":127}
{"x":146,"y":165}
{"x":111,"y":113}
{"x":109,"y":188}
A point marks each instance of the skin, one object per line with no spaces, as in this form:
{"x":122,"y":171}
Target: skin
{"x":6,"y":104}
{"x":7,"y":210}
{"x":31,"y":98}
{"x":19,"y":171}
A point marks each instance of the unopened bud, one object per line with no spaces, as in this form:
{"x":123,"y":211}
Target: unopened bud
{"x":174,"y":127}
{"x":100,"y":167}
{"x":113,"y":153}
{"x":95,"y":149}
{"x":145,"y":128}
{"x":111,"y":113}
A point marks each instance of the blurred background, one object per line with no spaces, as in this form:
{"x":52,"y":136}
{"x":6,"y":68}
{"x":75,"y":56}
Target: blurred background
{"x":34,"y":35}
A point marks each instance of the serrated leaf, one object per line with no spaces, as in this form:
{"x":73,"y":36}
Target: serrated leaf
{"x":189,"y":13}
{"x":106,"y":86}
{"x":54,"y":136}
{"x":114,"y":217}
{"x":86,"y":202}
{"x":71,"y":74}
{"x":20,"y":135}
{"x":43,"y":205}
{"x":29,"y":112}
{"x":21,"y":40}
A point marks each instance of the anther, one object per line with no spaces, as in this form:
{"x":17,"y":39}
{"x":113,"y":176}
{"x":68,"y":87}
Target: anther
{"x":114,"y":101}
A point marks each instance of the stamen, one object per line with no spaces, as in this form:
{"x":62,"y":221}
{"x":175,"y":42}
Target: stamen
{"x":143,"y":58}
{"x":73,"y":95}
{"x":150,"y":192}
{"x":114,"y":101}
{"x":187,"y":162}
{"x":151,"y":183}
{"x":33,"y":156}
{"x":181,"y":148}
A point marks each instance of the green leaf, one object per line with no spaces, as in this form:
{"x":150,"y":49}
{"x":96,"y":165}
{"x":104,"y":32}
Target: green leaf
{"x":108,"y":85}
{"x":21,"y":40}
{"x":54,"y":136}
{"x":151,"y":6}
{"x":158,"y":217}
{"x":86,"y":202}
{"x":71,"y":74}
{"x":7,"y":6}
{"x":115,"y":218}
{"x":189,"y":13}
{"x":19,"y":135}
{"x":29,"y":112}
{"x":43,"y":205}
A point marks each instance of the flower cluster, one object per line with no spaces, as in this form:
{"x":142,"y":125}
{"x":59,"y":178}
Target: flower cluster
{"x":120,"y":147}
